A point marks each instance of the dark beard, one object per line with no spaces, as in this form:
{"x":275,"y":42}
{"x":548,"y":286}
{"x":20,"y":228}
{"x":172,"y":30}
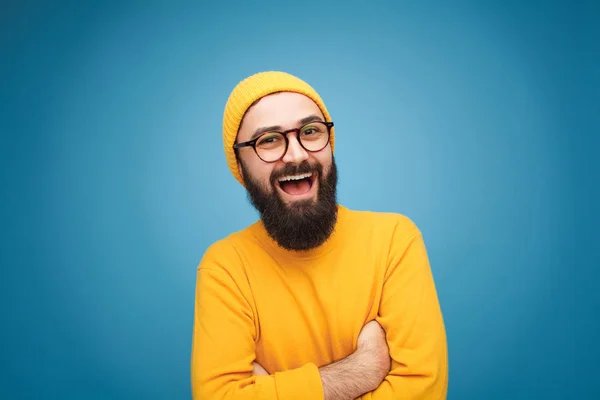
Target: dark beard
{"x":301,"y":225}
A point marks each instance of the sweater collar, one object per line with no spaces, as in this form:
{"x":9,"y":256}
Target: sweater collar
{"x":261,"y":234}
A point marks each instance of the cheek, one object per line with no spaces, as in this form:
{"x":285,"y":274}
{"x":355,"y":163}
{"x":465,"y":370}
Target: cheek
{"x":325,"y":159}
{"x":263,"y":175}
{"x":258,"y":171}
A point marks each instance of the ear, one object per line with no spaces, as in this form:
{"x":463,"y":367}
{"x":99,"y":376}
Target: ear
{"x":240,"y":169}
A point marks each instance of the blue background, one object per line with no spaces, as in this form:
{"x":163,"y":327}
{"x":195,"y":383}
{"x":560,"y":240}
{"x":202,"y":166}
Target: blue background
{"x":480,"y":122}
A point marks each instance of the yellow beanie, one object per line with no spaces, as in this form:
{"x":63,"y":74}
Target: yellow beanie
{"x":250,"y":90}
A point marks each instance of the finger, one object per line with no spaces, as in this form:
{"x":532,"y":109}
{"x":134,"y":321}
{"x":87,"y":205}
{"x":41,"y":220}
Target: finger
{"x":258,"y":369}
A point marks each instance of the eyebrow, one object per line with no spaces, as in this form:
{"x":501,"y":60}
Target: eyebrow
{"x":305,"y":120}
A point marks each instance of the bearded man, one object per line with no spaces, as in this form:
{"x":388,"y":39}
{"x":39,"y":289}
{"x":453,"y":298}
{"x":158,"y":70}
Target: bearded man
{"x":313,"y":300}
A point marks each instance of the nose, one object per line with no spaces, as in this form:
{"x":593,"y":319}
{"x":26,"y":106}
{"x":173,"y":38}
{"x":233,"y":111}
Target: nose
{"x":295,"y":153}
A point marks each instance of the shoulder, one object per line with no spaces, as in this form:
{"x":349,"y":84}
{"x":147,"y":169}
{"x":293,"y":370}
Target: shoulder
{"x":224,"y":252}
{"x":393,"y":222}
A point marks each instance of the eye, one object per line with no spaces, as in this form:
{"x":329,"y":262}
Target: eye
{"x":269,"y":140}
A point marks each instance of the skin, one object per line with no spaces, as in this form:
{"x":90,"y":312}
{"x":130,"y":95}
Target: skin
{"x":359,"y":373}
{"x":285,"y":110}
{"x":364,"y":369}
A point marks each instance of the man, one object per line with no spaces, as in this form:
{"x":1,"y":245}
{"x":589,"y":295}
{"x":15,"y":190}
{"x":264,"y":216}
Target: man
{"x":314,"y":300}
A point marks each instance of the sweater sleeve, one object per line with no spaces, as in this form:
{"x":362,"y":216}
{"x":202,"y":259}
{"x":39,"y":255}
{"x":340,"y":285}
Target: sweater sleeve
{"x":411,"y":317}
{"x":223,"y":342}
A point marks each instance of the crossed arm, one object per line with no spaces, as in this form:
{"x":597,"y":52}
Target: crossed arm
{"x":357,"y":374}
{"x":409,"y":314}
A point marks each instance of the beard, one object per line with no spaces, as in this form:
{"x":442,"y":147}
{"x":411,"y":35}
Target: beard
{"x":303,"y":224}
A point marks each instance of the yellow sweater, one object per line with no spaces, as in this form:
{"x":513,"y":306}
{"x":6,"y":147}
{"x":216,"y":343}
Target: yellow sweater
{"x":293,"y":313}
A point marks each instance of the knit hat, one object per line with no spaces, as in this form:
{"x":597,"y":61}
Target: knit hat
{"x":250,"y":90}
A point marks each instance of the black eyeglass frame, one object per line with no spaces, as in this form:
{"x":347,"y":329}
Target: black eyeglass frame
{"x":252,"y":143}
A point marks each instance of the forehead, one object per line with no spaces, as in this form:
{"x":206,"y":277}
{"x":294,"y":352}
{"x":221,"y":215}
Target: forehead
{"x":283,"y":109}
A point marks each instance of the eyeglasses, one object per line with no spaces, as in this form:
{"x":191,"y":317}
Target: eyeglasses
{"x":271,"y":146}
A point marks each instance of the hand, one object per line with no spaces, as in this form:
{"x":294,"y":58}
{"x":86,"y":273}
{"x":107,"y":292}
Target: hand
{"x":362,"y":371}
{"x":258,"y":369}
{"x":373,"y":350}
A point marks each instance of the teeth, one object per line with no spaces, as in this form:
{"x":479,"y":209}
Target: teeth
{"x":295,"y":177}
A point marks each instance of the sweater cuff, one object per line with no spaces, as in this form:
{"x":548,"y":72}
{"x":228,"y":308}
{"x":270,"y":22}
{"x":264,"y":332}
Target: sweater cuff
{"x":299,"y":384}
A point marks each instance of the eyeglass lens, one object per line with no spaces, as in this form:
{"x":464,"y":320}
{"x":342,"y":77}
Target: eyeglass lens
{"x":272,"y":145}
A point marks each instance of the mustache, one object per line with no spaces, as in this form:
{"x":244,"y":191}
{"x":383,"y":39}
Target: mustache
{"x":290,"y":169}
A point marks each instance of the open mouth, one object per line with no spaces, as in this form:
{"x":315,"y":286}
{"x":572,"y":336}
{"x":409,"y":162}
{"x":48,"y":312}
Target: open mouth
{"x":297,"y":185}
